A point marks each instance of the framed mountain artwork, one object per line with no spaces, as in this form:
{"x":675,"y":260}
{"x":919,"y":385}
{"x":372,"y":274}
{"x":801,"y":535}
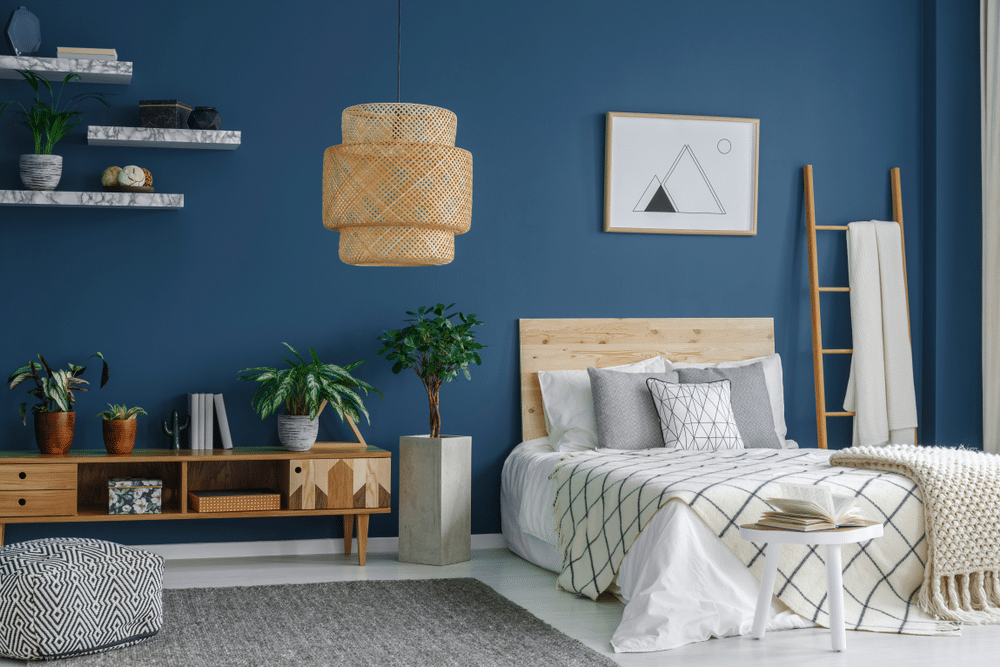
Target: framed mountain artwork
{"x":668,"y":174}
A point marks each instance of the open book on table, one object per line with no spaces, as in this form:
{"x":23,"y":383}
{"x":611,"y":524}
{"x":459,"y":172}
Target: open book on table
{"x":811,"y":507}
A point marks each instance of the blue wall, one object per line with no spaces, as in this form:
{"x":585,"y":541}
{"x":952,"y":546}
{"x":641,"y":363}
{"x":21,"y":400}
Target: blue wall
{"x":180,"y":301}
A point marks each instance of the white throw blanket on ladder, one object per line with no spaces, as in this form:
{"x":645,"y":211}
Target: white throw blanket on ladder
{"x":880,"y":388}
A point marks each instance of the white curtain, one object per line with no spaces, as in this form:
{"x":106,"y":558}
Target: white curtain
{"x":990,"y":106}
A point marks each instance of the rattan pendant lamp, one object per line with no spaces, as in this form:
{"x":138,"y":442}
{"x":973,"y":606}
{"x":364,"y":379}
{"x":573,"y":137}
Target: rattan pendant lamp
{"x":397,"y":189}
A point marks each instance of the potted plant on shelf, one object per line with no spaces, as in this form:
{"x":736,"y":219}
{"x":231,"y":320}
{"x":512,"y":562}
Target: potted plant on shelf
{"x":119,"y":425}
{"x":48,"y":122}
{"x":305,"y":388}
{"x":434,"y":470}
{"x":53,"y":414}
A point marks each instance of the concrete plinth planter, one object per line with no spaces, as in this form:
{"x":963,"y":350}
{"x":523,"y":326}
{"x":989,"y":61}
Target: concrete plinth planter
{"x":435,"y":499}
{"x":297,"y":433}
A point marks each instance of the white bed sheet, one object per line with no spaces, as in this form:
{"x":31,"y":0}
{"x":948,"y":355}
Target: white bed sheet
{"x":679,"y":582}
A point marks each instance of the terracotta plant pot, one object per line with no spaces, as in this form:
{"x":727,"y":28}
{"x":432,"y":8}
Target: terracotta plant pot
{"x":119,"y":435}
{"x":54,"y":431}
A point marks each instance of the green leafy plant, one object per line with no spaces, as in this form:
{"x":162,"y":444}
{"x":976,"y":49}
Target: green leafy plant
{"x":437,"y":348}
{"x":54,"y":390}
{"x":47,"y":121}
{"x":120,"y":412}
{"x":306,"y":387}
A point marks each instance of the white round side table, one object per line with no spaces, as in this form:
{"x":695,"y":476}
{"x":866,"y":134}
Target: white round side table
{"x":832,"y":540}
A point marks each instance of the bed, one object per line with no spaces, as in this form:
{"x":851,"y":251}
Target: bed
{"x":674,"y":561}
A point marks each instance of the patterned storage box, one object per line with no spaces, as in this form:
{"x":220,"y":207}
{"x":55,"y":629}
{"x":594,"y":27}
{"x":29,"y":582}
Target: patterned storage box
{"x":135,"y":495}
{"x":164,"y":113}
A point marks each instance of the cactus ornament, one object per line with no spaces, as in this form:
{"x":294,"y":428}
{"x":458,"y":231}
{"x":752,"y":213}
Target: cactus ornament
{"x":175,"y":432}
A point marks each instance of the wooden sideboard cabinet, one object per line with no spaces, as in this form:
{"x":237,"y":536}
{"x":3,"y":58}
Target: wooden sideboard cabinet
{"x":326,"y":480}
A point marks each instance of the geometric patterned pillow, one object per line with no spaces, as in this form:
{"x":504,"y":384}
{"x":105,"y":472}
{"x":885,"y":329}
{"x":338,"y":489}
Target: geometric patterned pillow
{"x":696,"y":416}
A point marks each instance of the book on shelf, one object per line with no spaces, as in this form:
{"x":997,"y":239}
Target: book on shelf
{"x":207,"y":416}
{"x":225,"y":437}
{"x":194,"y":427}
{"x":82,"y":53}
{"x":808,"y":507}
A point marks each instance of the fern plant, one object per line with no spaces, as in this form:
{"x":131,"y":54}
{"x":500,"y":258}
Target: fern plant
{"x":120,"y":412}
{"x":54,"y":390}
{"x":305,"y":387}
{"x":47,"y":121}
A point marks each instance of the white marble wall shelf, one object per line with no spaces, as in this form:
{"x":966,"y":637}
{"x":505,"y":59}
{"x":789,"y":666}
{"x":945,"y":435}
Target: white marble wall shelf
{"x":136,"y":200}
{"x":56,"y":69}
{"x":156,"y":137}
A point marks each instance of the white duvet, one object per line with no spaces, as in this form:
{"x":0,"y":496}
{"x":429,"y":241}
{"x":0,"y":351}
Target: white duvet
{"x":679,"y":582}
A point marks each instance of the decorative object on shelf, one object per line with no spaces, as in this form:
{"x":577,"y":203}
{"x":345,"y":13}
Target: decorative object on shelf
{"x":149,"y":177}
{"x":132,"y":176}
{"x":305,"y":389}
{"x":204,"y":118}
{"x":110,"y":176}
{"x":135,"y":495}
{"x":23,"y":32}
{"x":175,"y":428}
{"x":48,"y":123}
{"x":84,"y":53}
{"x":436,"y":348}
{"x":119,"y":425}
{"x":40,"y":172}
{"x":234,"y":500}
{"x":397,"y":189}
{"x":164,"y":113}
{"x":706,"y":185}
{"x":54,"y":416}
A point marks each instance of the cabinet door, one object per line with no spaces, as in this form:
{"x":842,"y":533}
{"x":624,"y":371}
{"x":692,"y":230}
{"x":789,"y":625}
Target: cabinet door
{"x":355,"y":483}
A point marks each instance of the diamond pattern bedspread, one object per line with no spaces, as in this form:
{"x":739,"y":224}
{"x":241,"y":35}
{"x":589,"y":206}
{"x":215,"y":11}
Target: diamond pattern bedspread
{"x":605,"y":498}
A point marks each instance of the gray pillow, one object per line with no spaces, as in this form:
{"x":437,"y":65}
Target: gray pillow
{"x":751,"y":403}
{"x":625,"y":412}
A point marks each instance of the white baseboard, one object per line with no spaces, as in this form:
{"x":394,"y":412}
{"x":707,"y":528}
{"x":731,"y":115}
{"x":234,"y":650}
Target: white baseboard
{"x":376,"y":545}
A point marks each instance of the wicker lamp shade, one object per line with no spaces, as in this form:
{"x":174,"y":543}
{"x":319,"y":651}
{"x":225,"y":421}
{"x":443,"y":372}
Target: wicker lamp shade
{"x":397,"y":189}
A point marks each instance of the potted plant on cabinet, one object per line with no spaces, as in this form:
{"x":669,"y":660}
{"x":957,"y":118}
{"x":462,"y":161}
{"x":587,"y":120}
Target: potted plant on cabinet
{"x":119,"y":425}
{"x":53,"y":414}
{"x":435,"y":486}
{"x":48,"y":123}
{"x":305,"y":388}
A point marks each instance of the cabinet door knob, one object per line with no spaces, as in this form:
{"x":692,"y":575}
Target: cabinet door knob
{"x":22,"y":475}
{"x":21,"y":501}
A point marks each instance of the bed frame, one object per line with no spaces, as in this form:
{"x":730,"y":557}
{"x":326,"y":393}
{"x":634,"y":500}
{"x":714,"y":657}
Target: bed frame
{"x":576,"y":344}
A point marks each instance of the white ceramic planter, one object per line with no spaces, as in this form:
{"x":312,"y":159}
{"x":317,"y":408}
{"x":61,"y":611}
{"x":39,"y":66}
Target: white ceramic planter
{"x":41,"y":172}
{"x":297,"y":433}
{"x":435,"y":499}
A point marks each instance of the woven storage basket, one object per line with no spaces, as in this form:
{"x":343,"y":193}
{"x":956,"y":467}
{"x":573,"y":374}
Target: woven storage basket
{"x":240,"y":500}
{"x":397,"y":188}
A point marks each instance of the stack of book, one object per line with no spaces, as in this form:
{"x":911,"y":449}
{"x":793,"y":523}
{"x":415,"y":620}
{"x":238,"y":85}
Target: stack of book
{"x":807,"y":507}
{"x":80,"y":53}
{"x":208,"y":411}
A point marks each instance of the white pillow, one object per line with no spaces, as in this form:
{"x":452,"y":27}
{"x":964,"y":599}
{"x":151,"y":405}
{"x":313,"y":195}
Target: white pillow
{"x":568,"y":404}
{"x":696,"y":416}
{"x":775,"y":388}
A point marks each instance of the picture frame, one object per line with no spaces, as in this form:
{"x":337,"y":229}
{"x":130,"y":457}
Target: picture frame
{"x":671,"y":174}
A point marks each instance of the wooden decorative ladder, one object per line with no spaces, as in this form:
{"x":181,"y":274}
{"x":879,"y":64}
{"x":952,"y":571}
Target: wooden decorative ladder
{"x":814,"y":290}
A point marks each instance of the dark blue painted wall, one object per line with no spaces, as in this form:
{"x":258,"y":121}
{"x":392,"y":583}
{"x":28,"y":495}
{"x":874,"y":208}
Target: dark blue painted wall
{"x":181,"y":301}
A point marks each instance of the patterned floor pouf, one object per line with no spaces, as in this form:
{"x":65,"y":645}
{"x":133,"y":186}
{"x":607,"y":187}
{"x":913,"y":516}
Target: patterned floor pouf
{"x":61,"y":597}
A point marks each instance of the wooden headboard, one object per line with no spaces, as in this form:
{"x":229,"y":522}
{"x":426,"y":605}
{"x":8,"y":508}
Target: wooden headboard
{"x":574,"y":344}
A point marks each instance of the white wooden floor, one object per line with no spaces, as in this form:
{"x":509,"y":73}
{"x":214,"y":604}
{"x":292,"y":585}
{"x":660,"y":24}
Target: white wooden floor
{"x":594,"y":622}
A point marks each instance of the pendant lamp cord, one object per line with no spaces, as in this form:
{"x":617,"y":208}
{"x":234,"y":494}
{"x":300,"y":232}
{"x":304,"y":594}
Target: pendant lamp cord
{"x":399,"y":43}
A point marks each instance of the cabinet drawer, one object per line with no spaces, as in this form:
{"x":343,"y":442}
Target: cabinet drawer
{"x":37,"y":503}
{"x":37,"y":476}
{"x":356,"y":483}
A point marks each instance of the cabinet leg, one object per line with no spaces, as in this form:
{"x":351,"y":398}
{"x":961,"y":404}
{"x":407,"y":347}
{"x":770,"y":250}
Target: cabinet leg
{"x":2,"y":526}
{"x":348,"y":533}
{"x":362,"y":537}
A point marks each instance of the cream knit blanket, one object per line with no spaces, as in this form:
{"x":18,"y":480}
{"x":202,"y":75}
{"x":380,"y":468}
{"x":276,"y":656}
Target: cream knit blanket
{"x":961,"y":492}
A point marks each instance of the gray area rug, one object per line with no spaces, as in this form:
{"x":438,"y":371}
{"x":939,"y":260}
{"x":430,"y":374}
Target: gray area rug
{"x":447,"y":622}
